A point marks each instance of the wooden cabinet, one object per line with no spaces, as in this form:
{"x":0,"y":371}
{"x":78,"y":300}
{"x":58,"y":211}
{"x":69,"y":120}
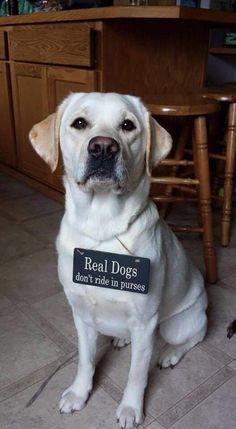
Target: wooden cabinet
{"x":60,"y":82}
{"x":7,"y":137}
{"x":37,"y":90}
{"x":64,"y":44}
{"x":2,"y":46}
{"x":40,"y":81}
{"x":30,"y":107}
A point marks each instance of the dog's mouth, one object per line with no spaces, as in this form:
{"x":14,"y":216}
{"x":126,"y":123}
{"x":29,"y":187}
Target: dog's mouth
{"x":102,"y":179}
{"x":99,"y":178}
{"x":100,"y":174}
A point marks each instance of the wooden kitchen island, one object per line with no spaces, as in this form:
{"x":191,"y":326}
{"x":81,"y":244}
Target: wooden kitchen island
{"x":143,"y":51}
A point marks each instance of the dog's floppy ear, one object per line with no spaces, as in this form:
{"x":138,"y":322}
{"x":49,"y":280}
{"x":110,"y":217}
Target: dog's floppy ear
{"x":45,"y":136}
{"x":158,"y":143}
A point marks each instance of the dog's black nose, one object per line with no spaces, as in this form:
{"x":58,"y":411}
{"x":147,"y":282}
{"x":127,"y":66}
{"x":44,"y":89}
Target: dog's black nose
{"x":103,"y":147}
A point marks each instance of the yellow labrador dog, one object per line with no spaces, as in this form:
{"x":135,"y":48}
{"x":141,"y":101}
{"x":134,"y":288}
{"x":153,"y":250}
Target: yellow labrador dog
{"x":109,"y":144}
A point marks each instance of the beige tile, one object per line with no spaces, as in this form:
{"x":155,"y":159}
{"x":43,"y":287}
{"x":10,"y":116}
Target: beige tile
{"x":102,"y":380}
{"x":154,"y":425}
{"x":226,"y":257}
{"x":230,"y":280}
{"x":10,"y":188}
{"x":218,"y":411}
{"x":15,"y":243}
{"x":5,"y":306}
{"x":48,"y":328}
{"x":31,"y":278}
{"x":24,"y":348}
{"x":44,"y":228}
{"x":193,"y":243}
{"x":233,"y":226}
{"x":190,"y":401}
{"x":168,"y":386}
{"x":39,"y":375}
{"x":57,"y":311}
{"x":28,"y":207}
{"x":115,"y":364}
{"x":233,"y":364}
{"x":221,"y":311}
{"x":98,"y":414}
{"x":37,"y":332}
{"x":216,"y":353}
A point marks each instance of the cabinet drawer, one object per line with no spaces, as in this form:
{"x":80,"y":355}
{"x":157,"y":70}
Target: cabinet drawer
{"x":66,"y":44}
{"x":2,"y":46}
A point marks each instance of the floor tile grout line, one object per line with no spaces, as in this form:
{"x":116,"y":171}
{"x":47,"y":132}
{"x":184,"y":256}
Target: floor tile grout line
{"x":113,"y":383}
{"x":230,"y":289}
{"x":68,"y":343}
{"x":44,"y":247}
{"x":147,"y":414}
{"x":51,"y":367}
{"x":39,"y":324}
{"x":201,"y":400}
{"x":198,"y":403}
{"x":8,"y":216}
{"x":201,"y":347}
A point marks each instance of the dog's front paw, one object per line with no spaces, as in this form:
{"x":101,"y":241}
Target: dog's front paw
{"x":71,"y":402}
{"x":118,"y":343}
{"x":129,"y":416}
{"x":171,"y":356}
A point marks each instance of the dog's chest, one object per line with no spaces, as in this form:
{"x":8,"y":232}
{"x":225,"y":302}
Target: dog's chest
{"x":108,"y":310}
{"x":106,"y":316}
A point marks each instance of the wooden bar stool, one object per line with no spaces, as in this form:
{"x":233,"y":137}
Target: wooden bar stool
{"x":195,"y":109}
{"x":226,"y":95}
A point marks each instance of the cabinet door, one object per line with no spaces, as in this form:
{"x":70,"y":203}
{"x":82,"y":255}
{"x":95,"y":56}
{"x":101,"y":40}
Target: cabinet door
{"x":30,"y":101}
{"x":7,"y":137}
{"x":60,"y":82}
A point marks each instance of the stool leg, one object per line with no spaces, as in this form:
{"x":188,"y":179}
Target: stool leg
{"x":202,"y":162}
{"x":179,"y":153}
{"x":196,"y":166}
{"x":229,"y":176}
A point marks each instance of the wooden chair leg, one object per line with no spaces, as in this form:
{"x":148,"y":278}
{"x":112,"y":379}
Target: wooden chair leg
{"x":179,"y":153}
{"x":196,"y":166}
{"x":229,"y":176}
{"x":205,"y":197}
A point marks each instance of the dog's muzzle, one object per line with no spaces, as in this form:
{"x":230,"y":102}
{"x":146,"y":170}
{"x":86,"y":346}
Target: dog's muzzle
{"x":102,"y":157}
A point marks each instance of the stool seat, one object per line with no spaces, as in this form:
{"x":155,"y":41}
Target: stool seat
{"x":182,"y":105}
{"x":220,"y":94}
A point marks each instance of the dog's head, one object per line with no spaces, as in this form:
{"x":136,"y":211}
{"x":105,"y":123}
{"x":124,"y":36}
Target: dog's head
{"x":107,"y":140}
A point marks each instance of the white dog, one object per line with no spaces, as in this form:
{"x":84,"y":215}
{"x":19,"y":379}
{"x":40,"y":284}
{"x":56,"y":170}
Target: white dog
{"x":109,"y":144}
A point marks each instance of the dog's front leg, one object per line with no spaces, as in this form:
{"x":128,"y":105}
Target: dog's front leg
{"x":130,"y":410}
{"x":74,"y":398}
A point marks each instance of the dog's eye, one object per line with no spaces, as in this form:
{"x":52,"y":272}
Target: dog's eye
{"x":79,"y":123}
{"x":128,"y":125}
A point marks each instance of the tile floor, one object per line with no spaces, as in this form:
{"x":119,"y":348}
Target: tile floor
{"x":37,"y":333}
